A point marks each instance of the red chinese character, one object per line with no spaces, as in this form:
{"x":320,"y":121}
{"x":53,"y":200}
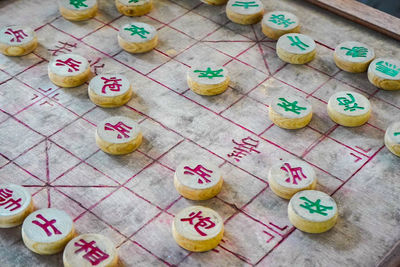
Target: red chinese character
{"x":202,"y":222}
{"x":72,"y":64}
{"x":200,"y":171}
{"x":18,"y":35}
{"x":120,"y":127}
{"x":93,"y":254}
{"x":294,"y":173}
{"x":7,"y":200}
{"x":46,"y":224}
{"x":111,"y":84}
{"x":246,"y":147}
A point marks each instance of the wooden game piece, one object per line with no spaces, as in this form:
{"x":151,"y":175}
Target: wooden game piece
{"x":68,"y":70}
{"x":15,"y":204}
{"x":89,"y":250}
{"x":137,"y":37}
{"x":198,"y":180}
{"x":78,"y":10}
{"x":134,"y":8}
{"x":208,"y":79}
{"x":110,"y":90}
{"x":392,"y":138}
{"x":290,"y":177}
{"x":353,"y":56}
{"x":349,"y":109}
{"x":17,"y":40}
{"x":118,"y":135}
{"x":197,"y":228}
{"x":290,"y":112}
{"x":214,"y":2}
{"x":245,"y":11}
{"x":312,"y":211}
{"x":277,"y":23}
{"x":384,"y":73}
{"x":296,"y":48}
{"x":47,"y":231}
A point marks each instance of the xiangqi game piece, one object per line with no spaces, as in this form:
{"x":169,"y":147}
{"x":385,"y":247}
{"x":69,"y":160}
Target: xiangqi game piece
{"x":214,"y":2}
{"x":392,"y":138}
{"x":118,"y":135}
{"x":353,"y":56}
{"x":291,"y":176}
{"x":384,"y":73}
{"x":197,"y":228}
{"x":89,"y":250}
{"x":137,"y":37}
{"x":15,"y":204}
{"x":198,"y":179}
{"x":290,"y":112}
{"x":47,"y":231}
{"x":110,"y":90}
{"x":134,"y":8}
{"x":277,"y":23}
{"x":245,"y":11}
{"x":77,"y":10}
{"x":349,"y":108}
{"x":69,"y":70}
{"x":17,"y":40}
{"x":208,"y":79}
{"x":296,"y":48}
{"x":312,"y":211}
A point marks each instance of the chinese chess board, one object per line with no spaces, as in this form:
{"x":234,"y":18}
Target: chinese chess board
{"x":47,"y":139}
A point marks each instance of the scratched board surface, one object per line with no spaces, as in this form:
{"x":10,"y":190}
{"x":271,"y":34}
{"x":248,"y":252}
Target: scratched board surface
{"x":47,"y":138}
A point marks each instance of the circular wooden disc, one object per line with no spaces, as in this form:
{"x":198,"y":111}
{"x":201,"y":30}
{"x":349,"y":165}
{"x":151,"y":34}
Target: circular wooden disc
{"x":293,"y":173}
{"x":291,"y":106}
{"x":14,"y":199}
{"x":280,"y":20}
{"x":349,"y":103}
{"x":352,"y":51}
{"x":198,"y":223}
{"x":313,"y":206}
{"x":133,"y":3}
{"x":78,"y":5}
{"x":110,"y":85}
{"x":296,"y":43}
{"x":63,"y":226}
{"x":76,"y":251}
{"x":15,"y":35}
{"x":198,"y":174}
{"x":393,"y":133}
{"x":239,"y":7}
{"x":68,"y":65}
{"x":385,"y":68}
{"x":137,"y":32}
{"x":118,"y":130}
{"x":208,"y":74}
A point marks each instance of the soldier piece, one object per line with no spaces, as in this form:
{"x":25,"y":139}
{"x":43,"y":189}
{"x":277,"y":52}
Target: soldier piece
{"x":198,"y":228}
{"x":118,"y":135}
{"x":277,"y":23}
{"x":353,"y":56}
{"x":384,"y":73}
{"x":137,"y":37}
{"x":312,"y":211}
{"x":245,"y":12}
{"x":68,"y":70}
{"x":134,"y":8}
{"x":392,"y":138}
{"x":208,"y":79}
{"x":17,"y":40}
{"x":296,"y":48}
{"x":77,"y":10}
{"x":290,"y":112}
{"x":198,"y":180}
{"x":349,"y":109}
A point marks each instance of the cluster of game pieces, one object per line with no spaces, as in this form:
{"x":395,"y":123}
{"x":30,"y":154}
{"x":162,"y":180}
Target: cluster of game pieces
{"x":50,"y":231}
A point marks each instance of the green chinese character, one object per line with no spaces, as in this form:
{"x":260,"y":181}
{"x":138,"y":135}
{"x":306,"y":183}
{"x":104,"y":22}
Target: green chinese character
{"x":298,"y":42}
{"x":292,"y":107}
{"x":396,"y":134}
{"x":137,"y":30}
{"x":245,"y":5}
{"x":387,"y":68}
{"x":357,"y":51}
{"x":134,"y":1}
{"x":315,"y":207}
{"x":343,"y":101}
{"x":210,"y":74}
{"x":78,"y":3}
{"x":280,"y":20}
